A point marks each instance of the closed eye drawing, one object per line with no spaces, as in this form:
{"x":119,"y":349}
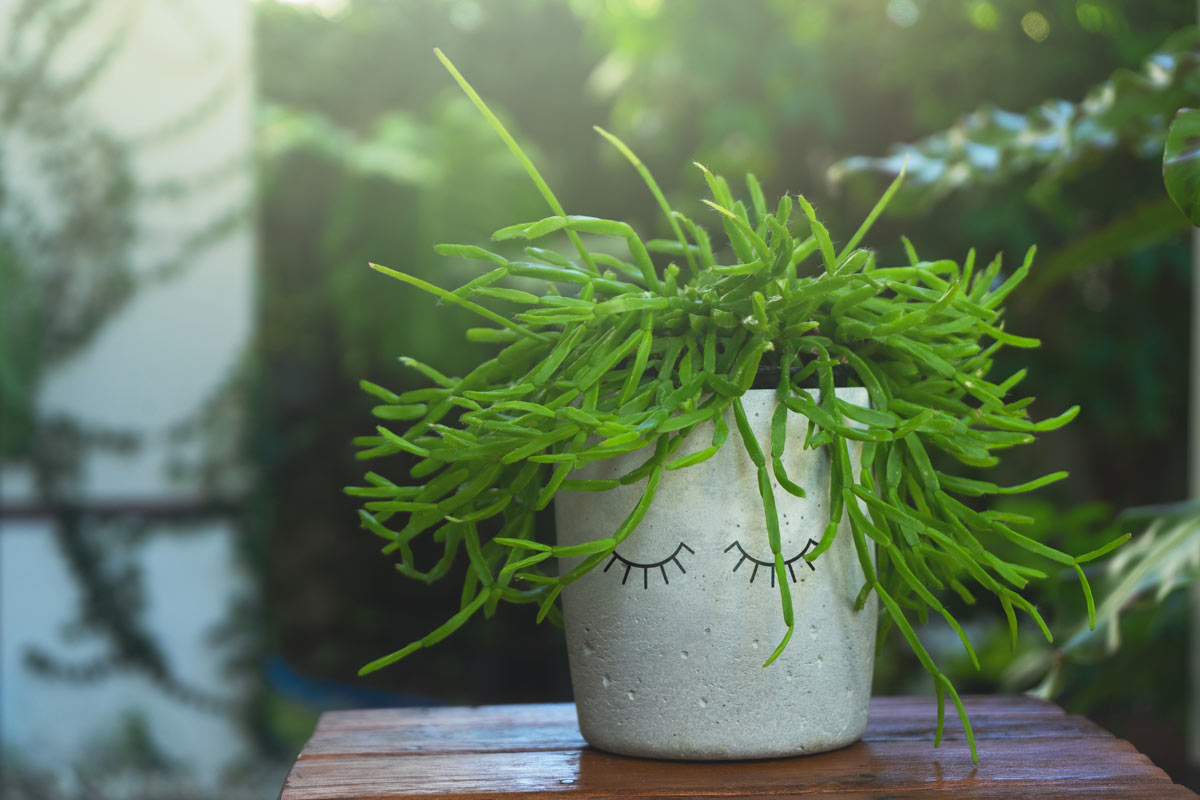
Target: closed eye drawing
{"x":770,"y":565}
{"x":660,"y":566}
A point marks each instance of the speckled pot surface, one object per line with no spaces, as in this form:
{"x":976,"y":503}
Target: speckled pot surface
{"x":667,"y":638}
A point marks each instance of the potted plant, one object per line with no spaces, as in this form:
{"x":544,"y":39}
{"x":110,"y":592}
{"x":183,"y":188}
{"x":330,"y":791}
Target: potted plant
{"x":764,"y":522}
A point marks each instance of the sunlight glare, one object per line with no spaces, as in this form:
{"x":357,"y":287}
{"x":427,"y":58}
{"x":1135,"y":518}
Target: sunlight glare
{"x":329,"y":9}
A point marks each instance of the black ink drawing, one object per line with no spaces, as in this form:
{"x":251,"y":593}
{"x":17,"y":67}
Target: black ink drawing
{"x":661,"y":566}
{"x":770,"y":565}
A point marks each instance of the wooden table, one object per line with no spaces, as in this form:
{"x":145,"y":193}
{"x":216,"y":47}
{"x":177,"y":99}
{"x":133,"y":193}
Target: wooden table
{"x":1027,"y":749}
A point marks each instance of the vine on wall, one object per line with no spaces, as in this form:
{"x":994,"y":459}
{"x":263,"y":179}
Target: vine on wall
{"x":70,"y":202}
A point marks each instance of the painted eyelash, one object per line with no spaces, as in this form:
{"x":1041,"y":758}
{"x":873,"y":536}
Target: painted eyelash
{"x":645,"y":568}
{"x":770,"y":565}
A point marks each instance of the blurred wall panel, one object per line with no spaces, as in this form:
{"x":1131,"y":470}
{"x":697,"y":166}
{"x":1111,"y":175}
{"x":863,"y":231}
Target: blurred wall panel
{"x":126,"y":244}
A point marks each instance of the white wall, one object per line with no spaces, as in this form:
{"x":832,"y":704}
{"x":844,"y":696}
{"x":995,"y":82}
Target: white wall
{"x":151,"y":367}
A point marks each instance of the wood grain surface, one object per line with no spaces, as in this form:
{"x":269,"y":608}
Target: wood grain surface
{"x":1027,"y":749}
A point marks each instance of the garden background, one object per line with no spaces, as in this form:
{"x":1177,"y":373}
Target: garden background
{"x":336,"y":139}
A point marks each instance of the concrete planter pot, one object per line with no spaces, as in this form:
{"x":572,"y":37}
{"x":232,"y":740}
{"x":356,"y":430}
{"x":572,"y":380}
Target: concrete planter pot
{"x":667,"y":638}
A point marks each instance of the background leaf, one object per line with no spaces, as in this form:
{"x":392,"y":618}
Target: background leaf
{"x":1181,"y":163}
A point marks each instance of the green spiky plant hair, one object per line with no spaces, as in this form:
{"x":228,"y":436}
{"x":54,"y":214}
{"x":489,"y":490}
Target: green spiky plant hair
{"x":630,"y":358}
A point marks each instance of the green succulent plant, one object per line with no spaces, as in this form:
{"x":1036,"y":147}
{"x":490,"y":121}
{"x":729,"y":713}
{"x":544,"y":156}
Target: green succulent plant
{"x":619,"y":354}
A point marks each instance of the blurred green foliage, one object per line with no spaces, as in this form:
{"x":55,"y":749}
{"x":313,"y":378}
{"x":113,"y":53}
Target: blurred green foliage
{"x":368,"y":154}
{"x":1180,"y":165}
{"x":1055,"y":140}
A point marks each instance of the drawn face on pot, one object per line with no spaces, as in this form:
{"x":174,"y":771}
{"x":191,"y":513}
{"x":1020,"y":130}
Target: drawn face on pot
{"x":723,"y":556}
{"x":671,"y":631}
{"x":668,"y":641}
{"x":697,"y":574}
{"x":662,"y":569}
{"x":681,"y":596}
{"x":698,"y":603}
